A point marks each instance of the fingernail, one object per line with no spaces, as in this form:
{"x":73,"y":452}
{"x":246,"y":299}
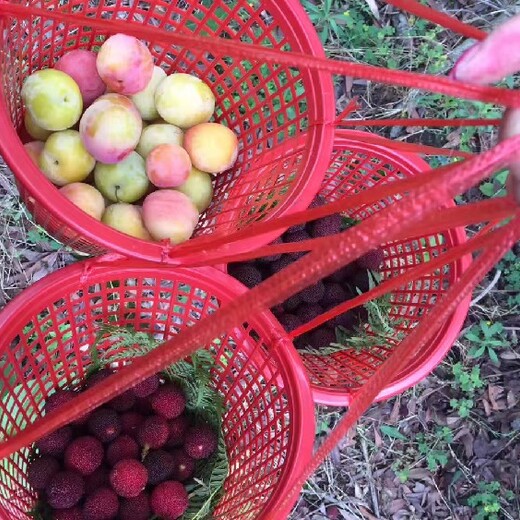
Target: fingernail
{"x":463,"y":70}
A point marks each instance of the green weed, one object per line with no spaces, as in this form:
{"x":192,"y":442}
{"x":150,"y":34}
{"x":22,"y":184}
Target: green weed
{"x":467,"y":382}
{"x":486,"y":337}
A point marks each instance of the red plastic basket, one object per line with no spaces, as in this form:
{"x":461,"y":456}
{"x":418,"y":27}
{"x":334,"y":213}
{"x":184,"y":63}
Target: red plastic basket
{"x":265,"y":104}
{"x":357,"y":165}
{"x":269,"y":418}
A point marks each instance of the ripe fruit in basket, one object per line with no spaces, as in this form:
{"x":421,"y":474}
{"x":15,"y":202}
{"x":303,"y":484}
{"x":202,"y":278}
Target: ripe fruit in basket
{"x":145,"y":99}
{"x":64,"y":158}
{"x":86,"y":197}
{"x":125,"y":64}
{"x":110,"y":128}
{"x":169,"y":214}
{"x":199,"y":188}
{"x":126,"y":218}
{"x":125,"y":181}
{"x":53,"y":99}
{"x":212,"y":147}
{"x":157,"y":134}
{"x":321,"y":296}
{"x":184,"y":100}
{"x":35,"y":131}
{"x":168,"y":166}
{"x":34,"y":149}
{"x":169,"y":500}
{"x":80,"y":65}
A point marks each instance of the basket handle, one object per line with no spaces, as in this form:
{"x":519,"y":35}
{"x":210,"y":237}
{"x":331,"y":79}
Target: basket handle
{"x":408,"y":276}
{"x":496,"y":244}
{"x":450,"y":218}
{"x":345,"y":247}
{"x":255,"y":52}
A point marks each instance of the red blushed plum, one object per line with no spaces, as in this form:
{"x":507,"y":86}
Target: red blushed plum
{"x":168,"y":166}
{"x":169,"y":214}
{"x":80,"y":65}
{"x":125,"y":64}
{"x":34,"y":149}
{"x":212,"y":147}
{"x":110,"y":128}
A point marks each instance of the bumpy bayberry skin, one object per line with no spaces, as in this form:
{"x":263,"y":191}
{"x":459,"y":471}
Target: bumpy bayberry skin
{"x":41,"y":470}
{"x":371,"y":260}
{"x":124,"y":447}
{"x":153,"y":433}
{"x":169,"y":401}
{"x":137,"y":508}
{"x":84,"y":455}
{"x":130,"y":423}
{"x":272,"y":258}
{"x":308,"y":312}
{"x":74,"y":513}
{"x":178,"y":428}
{"x":102,"y":504}
{"x":104,"y":424}
{"x":183,"y":465}
{"x":280,"y":264}
{"x":57,"y":399}
{"x":169,"y":500}
{"x":313,"y":294}
{"x":147,"y":387}
{"x":325,"y":226}
{"x":335,"y":293}
{"x":322,"y":338}
{"x":96,"y":378}
{"x":160,"y":465}
{"x":292,"y":303}
{"x":201,"y":441}
{"x":290,"y":322}
{"x":347,"y":320}
{"x":55,"y":443}
{"x":123,"y":402}
{"x":97,"y":479}
{"x":65,"y":489}
{"x":344,"y":274}
{"x":248,"y":274}
{"x":128,"y":478}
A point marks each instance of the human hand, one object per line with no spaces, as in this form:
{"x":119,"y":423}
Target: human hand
{"x":487,"y":62}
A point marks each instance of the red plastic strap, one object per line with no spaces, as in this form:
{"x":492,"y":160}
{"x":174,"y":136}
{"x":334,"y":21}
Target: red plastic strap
{"x":449,"y":218}
{"x":404,"y":146}
{"x":501,"y":241}
{"x":247,"y":51}
{"x":344,"y":249}
{"x":452,"y":254}
{"x":340,"y":206}
{"x":430,"y":123}
{"x":442,"y":19}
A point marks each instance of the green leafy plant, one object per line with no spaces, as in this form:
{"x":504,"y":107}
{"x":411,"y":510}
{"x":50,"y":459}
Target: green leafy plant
{"x":434,"y":447}
{"x":467,"y":382}
{"x":510,"y":267}
{"x":487,"y":501}
{"x":487,"y":338}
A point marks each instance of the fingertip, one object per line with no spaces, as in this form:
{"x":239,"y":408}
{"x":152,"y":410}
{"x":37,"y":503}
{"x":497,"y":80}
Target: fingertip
{"x":466,"y":67}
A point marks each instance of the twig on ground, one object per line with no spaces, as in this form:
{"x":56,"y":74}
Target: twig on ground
{"x":370,"y":477}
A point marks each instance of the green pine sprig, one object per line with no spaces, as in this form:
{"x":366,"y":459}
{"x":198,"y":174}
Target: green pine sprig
{"x":381,"y":327}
